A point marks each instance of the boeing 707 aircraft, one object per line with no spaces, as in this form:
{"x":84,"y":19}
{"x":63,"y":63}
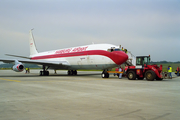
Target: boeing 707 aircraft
{"x":94,"y":56}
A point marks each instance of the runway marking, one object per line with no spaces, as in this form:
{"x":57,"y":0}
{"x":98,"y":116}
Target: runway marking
{"x":10,"y":80}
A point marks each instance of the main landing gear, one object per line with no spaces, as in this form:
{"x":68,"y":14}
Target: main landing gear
{"x":72,"y":72}
{"x":45,"y":71}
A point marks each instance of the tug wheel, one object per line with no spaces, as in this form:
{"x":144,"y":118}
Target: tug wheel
{"x":131,"y":75}
{"x":150,"y":75}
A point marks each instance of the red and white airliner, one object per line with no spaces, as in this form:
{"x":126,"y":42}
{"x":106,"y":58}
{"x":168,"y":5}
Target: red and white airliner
{"x":94,"y":56}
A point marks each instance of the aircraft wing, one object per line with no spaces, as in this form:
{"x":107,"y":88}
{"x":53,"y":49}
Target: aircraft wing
{"x":18,"y":56}
{"x":38,"y":62}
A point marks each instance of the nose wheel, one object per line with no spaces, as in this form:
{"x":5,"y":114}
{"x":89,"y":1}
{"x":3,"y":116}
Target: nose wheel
{"x":105,"y":74}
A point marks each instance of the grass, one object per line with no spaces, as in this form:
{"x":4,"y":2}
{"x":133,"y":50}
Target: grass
{"x":173,"y":65}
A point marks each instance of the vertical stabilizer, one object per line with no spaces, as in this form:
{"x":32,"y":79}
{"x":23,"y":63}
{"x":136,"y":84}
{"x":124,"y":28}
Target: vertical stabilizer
{"x":32,"y":44}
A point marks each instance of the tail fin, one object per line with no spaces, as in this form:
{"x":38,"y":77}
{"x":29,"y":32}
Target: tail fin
{"x":33,"y":49}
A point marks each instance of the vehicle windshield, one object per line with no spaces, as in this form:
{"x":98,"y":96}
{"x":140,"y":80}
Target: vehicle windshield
{"x":142,"y":60}
{"x":146,"y":60}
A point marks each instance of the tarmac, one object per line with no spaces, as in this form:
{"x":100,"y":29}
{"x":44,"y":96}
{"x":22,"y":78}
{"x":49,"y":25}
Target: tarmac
{"x":86,"y":96}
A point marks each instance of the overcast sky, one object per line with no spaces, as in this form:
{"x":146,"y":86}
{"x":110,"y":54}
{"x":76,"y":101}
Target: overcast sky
{"x":144,"y":27}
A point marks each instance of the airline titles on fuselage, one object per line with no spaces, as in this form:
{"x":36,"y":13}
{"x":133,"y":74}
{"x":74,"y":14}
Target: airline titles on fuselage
{"x":69,"y":50}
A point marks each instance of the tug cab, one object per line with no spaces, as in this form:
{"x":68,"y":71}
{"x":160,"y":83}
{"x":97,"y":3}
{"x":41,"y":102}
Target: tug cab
{"x":142,"y":61}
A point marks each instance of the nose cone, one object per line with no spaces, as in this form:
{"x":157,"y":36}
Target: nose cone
{"x":119,"y":57}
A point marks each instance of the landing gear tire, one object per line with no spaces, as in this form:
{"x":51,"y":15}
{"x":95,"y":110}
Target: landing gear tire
{"x":41,"y":73}
{"x":47,"y":73}
{"x":44,"y":73}
{"x":72,"y":72}
{"x":131,"y":75}
{"x":105,"y":75}
{"x":150,"y":75}
{"x":69,"y":72}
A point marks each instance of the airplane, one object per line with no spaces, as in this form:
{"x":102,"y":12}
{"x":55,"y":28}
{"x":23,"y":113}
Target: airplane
{"x":94,"y":56}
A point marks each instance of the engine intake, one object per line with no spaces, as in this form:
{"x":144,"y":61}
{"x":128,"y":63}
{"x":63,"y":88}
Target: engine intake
{"x":18,"y":67}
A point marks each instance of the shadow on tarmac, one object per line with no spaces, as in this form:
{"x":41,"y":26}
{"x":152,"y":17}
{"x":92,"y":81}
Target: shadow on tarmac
{"x":51,"y":75}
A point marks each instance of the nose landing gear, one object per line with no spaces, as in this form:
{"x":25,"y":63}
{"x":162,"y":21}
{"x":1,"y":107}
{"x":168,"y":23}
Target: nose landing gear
{"x":105,"y":74}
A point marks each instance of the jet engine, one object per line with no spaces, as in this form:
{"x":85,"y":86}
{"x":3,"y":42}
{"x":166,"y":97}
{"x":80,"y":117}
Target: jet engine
{"x":18,"y":67}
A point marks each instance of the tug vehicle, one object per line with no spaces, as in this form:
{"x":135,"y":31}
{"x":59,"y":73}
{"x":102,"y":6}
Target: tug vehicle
{"x":143,"y":69}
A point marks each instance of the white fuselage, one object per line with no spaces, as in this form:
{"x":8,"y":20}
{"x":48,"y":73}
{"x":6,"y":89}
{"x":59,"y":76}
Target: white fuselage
{"x":95,"y":56}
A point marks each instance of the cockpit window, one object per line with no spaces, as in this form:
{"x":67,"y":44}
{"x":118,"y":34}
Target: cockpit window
{"x":117,"y":49}
{"x":114,"y":49}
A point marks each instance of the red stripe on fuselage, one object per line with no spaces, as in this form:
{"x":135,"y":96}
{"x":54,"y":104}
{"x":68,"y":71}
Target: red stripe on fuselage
{"x":111,"y":55}
{"x":73,"y":54}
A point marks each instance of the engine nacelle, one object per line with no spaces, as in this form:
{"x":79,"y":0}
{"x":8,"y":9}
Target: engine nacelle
{"x":18,"y":67}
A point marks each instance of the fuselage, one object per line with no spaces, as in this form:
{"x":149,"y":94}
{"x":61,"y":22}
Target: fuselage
{"x":95,"y":56}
